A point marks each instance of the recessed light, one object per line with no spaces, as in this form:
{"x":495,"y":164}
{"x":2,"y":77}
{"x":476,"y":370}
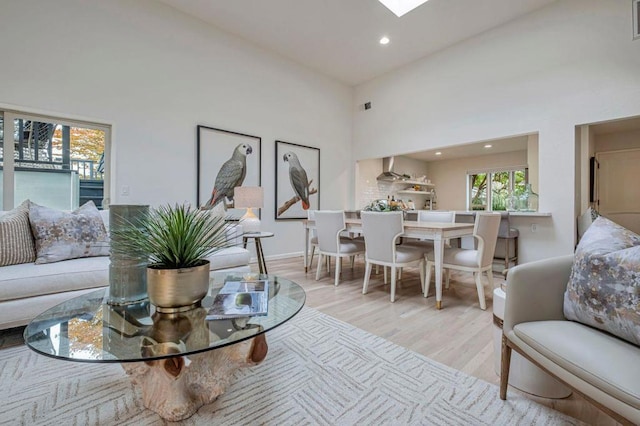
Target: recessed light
{"x":400,"y":7}
{"x":384,"y":40}
{"x":438,"y":153}
{"x":488,"y":145}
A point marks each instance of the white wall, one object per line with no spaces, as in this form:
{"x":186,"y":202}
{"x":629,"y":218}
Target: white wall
{"x":617,"y":141}
{"x":155,"y":73}
{"x":570,"y":63}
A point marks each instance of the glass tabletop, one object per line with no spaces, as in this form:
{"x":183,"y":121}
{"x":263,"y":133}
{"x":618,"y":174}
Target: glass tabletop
{"x":88,"y":329}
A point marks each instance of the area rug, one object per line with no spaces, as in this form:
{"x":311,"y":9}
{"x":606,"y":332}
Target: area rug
{"x":318,"y":371}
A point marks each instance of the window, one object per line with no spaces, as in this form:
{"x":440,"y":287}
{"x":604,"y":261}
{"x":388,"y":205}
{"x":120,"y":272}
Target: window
{"x":52,"y":161}
{"x":492,"y":190}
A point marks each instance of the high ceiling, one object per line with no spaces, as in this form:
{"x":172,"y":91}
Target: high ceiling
{"x":498,"y":146}
{"x":340,"y":37}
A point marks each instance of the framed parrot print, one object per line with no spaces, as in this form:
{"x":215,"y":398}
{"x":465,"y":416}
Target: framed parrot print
{"x":226,"y":160}
{"x":297,"y":180}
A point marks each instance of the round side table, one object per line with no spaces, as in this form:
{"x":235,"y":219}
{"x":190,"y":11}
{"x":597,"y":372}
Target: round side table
{"x":257,"y":237}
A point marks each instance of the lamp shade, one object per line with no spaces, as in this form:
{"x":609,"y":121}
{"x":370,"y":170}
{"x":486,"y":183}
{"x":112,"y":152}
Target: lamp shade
{"x":248,"y":197}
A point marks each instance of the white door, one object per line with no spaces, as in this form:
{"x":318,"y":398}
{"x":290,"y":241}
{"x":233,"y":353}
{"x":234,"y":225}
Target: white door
{"x":618,"y":187}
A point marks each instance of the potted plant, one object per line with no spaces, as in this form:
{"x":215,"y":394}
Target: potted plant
{"x":176,"y":239}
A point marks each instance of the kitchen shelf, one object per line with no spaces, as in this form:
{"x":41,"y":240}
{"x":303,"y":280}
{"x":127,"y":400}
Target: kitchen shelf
{"x":413,"y":182}
{"x":406,"y":191}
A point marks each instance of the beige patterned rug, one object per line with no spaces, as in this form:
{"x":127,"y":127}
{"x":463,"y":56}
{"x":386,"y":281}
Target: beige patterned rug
{"x":318,"y":371}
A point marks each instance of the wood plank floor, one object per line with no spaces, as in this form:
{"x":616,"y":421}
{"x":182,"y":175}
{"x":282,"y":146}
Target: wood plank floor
{"x":460,"y":335}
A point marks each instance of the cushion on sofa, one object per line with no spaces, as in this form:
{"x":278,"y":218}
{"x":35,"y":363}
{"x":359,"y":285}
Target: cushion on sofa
{"x":599,"y":359}
{"x":16,"y":241}
{"x":228,"y":258}
{"x":29,"y":280}
{"x":604,"y":286}
{"x":63,"y":235}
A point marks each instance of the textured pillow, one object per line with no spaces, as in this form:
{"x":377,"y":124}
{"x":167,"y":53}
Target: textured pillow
{"x":16,"y":241}
{"x":68,"y":235}
{"x":604,"y":286}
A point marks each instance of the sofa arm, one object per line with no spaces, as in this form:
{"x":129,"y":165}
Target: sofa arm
{"x":234,"y":234}
{"x":535,"y":291}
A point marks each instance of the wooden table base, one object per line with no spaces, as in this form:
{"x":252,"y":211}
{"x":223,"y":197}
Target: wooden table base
{"x":177,"y":387}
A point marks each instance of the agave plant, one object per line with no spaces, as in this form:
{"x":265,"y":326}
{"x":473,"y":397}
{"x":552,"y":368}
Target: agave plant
{"x":174,"y":237}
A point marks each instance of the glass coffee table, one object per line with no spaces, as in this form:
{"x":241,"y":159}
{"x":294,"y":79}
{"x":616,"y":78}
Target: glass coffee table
{"x":180,"y":361}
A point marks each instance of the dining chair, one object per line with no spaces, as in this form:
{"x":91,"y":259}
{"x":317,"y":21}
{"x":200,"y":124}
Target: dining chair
{"x":313,"y":237}
{"x":477,"y":261}
{"x":329,"y":225}
{"x":381,"y":231}
{"x":430,"y":216}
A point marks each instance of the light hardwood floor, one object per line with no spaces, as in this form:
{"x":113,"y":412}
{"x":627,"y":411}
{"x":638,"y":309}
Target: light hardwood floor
{"x":460,"y":335}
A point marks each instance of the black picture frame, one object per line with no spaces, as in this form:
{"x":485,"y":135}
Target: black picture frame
{"x":593,"y":169}
{"x":215,"y":147}
{"x":288,"y":205}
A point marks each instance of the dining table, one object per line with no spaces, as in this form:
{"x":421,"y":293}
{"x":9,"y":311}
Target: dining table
{"x":438,"y":232}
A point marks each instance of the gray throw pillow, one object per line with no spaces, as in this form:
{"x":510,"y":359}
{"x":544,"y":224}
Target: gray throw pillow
{"x":16,"y":241}
{"x":64,"y":235}
{"x":604,"y":286}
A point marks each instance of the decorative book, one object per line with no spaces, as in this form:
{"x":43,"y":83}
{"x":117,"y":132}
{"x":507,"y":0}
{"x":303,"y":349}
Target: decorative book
{"x":240,"y":299}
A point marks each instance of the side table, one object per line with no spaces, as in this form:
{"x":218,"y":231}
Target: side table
{"x":257,"y":237}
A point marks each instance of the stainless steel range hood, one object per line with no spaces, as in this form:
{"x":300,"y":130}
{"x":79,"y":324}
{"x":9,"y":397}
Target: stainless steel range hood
{"x":388,"y":175}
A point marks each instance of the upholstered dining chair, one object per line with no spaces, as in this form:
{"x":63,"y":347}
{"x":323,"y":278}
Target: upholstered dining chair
{"x":313,"y":237}
{"x":476,"y":261}
{"x":381,"y":231}
{"x":329,"y":225}
{"x":430,"y":216}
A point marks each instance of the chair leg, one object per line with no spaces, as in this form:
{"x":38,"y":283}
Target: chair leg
{"x":490,"y":278}
{"x":338,"y":268}
{"x":328,"y":261}
{"x":480,"y":287}
{"x":447,"y":273}
{"x":384,"y":268}
{"x":399,"y":273}
{"x":421,"y":265}
{"x":313,"y":250}
{"x":377,"y":269}
{"x":505,"y":364}
{"x":507,"y":253}
{"x":353,"y":261}
{"x":367,"y":276}
{"x":393,"y":284}
{"x":319,"y":268}
{"x":427,"y":278}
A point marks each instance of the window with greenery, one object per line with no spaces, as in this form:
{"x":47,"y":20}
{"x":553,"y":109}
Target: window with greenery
{"x":492,"y":189}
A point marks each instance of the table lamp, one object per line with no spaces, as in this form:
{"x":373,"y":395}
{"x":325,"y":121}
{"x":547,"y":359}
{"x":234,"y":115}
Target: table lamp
{"x":249,"y":197}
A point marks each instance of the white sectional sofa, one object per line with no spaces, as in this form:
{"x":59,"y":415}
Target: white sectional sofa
{"x":28,"y":289}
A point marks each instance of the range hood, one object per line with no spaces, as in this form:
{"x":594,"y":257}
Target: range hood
{"x":388,"y":175}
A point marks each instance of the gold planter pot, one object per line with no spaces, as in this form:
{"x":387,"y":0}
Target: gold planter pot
{"x":177,"y":290}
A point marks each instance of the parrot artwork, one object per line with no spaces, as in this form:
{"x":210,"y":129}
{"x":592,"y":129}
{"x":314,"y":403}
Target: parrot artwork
{"x":298,"y":178}
{"x":230,"y":175}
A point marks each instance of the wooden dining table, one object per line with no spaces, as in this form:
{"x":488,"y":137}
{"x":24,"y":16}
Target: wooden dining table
{"x":438,"y":232}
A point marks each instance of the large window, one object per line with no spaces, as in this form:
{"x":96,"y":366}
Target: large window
{"x":493,"y":190}
{"x":52,"y":161}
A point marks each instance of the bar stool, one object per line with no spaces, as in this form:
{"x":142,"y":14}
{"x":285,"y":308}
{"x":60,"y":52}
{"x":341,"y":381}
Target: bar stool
{"x":510,"y":237}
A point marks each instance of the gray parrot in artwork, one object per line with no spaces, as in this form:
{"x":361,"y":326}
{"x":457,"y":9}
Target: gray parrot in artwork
{"x":298,"y":178}
{"x":230,"y":175}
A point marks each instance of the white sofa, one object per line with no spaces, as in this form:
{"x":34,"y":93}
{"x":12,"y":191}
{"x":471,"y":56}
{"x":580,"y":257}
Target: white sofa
{"x":27,"y":289}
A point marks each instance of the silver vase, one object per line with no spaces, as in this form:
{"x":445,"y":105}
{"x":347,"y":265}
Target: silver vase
{"x":127,"y":270}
